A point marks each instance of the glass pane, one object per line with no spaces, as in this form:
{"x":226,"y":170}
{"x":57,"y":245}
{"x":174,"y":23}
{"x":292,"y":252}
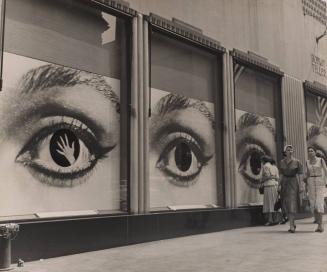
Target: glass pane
{"x":255,"y":104}
{"x":183,"y":168}
{"x":316,"y":110}
{"x":60,"y":108}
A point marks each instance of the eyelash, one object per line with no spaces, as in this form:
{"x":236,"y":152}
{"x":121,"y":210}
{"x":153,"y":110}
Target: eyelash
{"x":62,"y":178}
{"x":176,"y":176}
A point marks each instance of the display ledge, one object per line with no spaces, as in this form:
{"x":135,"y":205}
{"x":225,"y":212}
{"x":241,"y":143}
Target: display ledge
{"x":43,"y":239}
{"x":184,"y":207}
{"x":64,"y":215}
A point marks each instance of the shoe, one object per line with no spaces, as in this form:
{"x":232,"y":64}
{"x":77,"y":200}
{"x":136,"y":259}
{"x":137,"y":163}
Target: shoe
{"x":292,"y":229}
{"x":284,"y":221}
{"x":268,"y":224}
{"x":319,"y":229}
{"x":315,"y":222}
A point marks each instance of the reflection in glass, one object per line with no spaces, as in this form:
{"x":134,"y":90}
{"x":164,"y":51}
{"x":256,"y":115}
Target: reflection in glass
{"x":316,"y":123}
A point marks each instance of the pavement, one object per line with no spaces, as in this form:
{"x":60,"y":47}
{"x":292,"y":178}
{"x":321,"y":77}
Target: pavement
{"x":264,"y":249}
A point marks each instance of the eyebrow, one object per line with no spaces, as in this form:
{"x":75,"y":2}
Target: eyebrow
{"x":250,"y":119}
{"x":51,"y":75}
{"x":173,"y":102}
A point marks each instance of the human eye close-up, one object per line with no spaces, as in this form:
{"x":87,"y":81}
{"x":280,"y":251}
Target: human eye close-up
{"x":62,"y":153}
{"x":255,"y":138}
{"x":250,"y":155}
{"x":182,"y":138}
{"x":182,"y":159}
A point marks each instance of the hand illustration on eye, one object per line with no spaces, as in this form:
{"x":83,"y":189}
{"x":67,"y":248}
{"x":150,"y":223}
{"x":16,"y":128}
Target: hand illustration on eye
{"x":67,"y":150}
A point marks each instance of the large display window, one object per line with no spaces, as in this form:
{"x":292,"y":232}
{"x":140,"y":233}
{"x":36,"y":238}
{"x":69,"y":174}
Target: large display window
{"x":316,"y":119}
{"x":62,"y":109}
{"x":257,"y":124}
{"x":316,"y":116}
{"x":185,"y":163}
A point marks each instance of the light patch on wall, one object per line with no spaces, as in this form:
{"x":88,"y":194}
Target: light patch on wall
{"x":110,"y":34}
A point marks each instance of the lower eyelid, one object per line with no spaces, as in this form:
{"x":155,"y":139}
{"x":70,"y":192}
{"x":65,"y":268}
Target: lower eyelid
{"x":59,"y":179}
{"x":176,"y":176}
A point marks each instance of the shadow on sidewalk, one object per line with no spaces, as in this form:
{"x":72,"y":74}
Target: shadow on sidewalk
{"x":284,"y":232}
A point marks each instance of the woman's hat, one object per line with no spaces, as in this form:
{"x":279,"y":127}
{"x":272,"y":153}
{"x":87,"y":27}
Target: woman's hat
{"x":287,"y":146}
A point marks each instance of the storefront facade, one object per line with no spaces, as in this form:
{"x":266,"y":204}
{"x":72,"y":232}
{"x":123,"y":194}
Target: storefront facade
{"x":125,"y":123}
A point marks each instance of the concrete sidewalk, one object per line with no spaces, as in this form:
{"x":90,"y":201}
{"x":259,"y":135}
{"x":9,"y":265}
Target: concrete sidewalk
{"x":255,"y":249}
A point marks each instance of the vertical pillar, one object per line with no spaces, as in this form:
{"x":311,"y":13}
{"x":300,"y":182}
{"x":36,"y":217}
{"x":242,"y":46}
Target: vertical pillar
{"x":140,"y":37}
{"x":146,"y":113}
{"x":134,"y":150}
{"x":293,"y":110}
{"x":2,"y":31}
{"x":229,"y":131}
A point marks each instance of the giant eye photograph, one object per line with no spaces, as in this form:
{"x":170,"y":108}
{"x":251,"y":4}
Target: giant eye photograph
{"x":255,"y":137}
{"x":255,"y":130}
{"x":60,"y":134}
{"x":182,"y":151}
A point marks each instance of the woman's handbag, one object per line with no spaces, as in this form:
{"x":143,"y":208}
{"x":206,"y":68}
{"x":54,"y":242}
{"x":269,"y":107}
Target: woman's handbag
{"x":304,"y":203}
{"x":305,"y":207}
{"x":278,"y":205}
{"x":261,"y":189}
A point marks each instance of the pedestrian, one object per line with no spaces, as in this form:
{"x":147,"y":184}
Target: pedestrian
{"x":284,"y":218}
{"x":270,"y":178}
{"x":291,"y":171}
{"x":316,"y":173}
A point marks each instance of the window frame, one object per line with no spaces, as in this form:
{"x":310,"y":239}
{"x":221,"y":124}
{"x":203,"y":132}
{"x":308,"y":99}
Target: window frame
{"x":261,"y":65}
{"x":189,"y":35}
{"x":318,"y":90}
{"x":127,"y":14}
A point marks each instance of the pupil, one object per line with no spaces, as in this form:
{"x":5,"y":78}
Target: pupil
{"x":183,"y":157}
{"x":62,"y":150}
{"x":255,"y":163}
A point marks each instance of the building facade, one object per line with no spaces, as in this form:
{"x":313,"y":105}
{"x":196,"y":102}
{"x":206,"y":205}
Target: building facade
{"x":131,"y":122}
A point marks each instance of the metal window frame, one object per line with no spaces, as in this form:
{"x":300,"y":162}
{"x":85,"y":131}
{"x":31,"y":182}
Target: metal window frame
{"x":261,"y":65}
{"x":192,"y":37}
{"x":117,"y":9}
{"x":314,"y":88}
